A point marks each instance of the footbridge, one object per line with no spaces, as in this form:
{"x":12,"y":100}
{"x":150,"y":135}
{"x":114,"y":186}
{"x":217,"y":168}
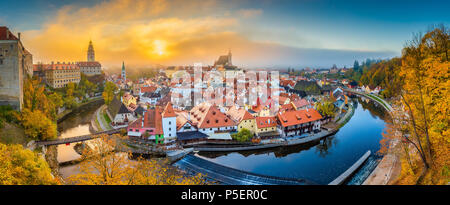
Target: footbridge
{"x":76,"y":138}
{"x":231,"y":176}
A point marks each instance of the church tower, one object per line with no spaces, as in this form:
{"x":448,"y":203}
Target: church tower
{"x":124,"y":77}
{"x":90,"y":53}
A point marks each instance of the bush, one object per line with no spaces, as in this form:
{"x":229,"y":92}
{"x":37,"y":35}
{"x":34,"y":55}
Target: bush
{"x":243,"y":136}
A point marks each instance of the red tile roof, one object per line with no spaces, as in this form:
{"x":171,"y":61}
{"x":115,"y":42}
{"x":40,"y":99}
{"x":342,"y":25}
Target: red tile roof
{"x":152,"y":119}
{"x":56,"y":66}
{"x":287,"y":107}
{"x":298,"y":117}
{"x":149,"y":89}
{"x":205,"y":115}
{"x":264,"y":122}
{"x":300,"y":103}
{"x":5,"y":34}
{"x":168,"y":111}
{"x":239,"y":114}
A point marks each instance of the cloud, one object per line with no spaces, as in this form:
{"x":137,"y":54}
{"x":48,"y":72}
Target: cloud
{"x":167,"y":32}
{"x":250,"y":13}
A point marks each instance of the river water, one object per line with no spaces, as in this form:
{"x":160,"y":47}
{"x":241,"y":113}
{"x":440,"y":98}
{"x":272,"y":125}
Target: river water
{"x":75,"y":125}
{"x":320,"y":161}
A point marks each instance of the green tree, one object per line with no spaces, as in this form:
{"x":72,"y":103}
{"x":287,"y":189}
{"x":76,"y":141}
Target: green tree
{"x":108,"y":93}
{"x":243,"y":136}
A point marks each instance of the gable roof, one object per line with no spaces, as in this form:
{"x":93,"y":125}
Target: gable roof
{"x":298,"y":117}
{"x":168,"y":111}
{"x":264,"y":122}
{"x":238,"y":114}
{"x":300,"y":103}
{"x":205,"y":115}
{"x":151,"y":119}
{"x":115,"y":106}
{"x":5,"y":34}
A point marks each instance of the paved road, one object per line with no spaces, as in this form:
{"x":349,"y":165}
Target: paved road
{"x":103,"y":125}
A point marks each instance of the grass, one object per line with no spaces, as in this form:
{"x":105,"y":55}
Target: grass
{"x":106,"y":117}
{"x":13,"y":134}
{"x":98,"y":124}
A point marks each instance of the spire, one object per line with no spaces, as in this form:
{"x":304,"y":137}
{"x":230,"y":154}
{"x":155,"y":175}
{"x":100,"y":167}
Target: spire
{"x":124,"y":77}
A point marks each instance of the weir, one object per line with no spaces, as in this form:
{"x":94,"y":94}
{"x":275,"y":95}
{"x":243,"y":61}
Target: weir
{"x":231,"y":176}
{"x":344,"y":176}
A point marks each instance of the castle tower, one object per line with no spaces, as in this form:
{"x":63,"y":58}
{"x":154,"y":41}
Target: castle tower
{"x":124,"y":76}
{"x":90,"y":53}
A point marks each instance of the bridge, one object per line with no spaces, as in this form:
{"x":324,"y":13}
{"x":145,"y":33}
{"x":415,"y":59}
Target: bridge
{"x":76,"y":138}
{"x":231,"y":176}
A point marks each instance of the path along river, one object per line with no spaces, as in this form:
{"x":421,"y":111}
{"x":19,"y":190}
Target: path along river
{"x":319,"y":162}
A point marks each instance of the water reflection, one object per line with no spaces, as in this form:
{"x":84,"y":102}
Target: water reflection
{"x":320,"y":161}
{"x":74,"y":125}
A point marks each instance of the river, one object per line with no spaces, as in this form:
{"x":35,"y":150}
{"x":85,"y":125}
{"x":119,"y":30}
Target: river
{"x":74,"y":125}
{"x":321,"y":161}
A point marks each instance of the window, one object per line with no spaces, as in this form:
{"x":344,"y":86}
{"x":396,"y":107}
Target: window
{"x":170,"y":123}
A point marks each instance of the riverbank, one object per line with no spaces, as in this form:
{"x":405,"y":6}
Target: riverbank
{"x":94,"y":101}
{"x":388,"y":169}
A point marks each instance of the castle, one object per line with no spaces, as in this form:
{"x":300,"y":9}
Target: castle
{"x":16,"y":63}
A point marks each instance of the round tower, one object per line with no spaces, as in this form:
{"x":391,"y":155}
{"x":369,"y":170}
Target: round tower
{"x":90,"y":53}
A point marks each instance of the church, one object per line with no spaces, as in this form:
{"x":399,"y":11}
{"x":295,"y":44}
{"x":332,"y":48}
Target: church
{"x":224,"y":62}
{"x":90,"y":67}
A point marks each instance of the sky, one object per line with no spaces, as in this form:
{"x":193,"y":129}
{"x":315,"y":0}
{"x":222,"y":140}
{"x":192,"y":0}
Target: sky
{"x":260,"y":33}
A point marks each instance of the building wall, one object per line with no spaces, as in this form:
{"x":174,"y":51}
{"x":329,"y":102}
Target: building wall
{"x":120,"y":118}
{"x":248,"y":124}
{"x":267,"y":129}
{"x":59,"y":78}
{"x":15,"y":64}
{"x":169,"y":125}
{"x":95,"y":70}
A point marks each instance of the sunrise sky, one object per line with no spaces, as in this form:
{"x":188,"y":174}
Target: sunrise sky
{"x":260,"y":33}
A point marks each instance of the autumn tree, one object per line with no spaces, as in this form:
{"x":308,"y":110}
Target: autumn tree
{"x":326,"y":108}
{"x":108,"y":93}
{"x":424,"y":72}
{"x":102,"y":166}
{"x":20,"y":166}
{"x":37,"y":126}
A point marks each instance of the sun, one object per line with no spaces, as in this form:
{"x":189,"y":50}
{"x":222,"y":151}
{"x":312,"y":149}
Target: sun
{"x":159,"y":47}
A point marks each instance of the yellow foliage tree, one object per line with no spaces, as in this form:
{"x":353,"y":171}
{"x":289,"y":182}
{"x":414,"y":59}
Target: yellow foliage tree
{"x":425,"y":101}
{"x":102,"y":166}
{"x":20,"y":166}
{"x":37,"y":125}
